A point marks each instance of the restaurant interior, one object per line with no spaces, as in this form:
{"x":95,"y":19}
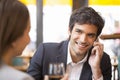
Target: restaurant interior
{"x":41,"y":13}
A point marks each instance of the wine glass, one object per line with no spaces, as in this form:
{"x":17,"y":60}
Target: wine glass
{"x":56,"y":71}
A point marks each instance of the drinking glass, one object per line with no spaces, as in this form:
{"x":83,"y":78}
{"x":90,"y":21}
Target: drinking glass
{"x":56,"y":71}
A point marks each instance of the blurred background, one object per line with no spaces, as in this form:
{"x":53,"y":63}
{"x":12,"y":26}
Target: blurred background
{"x":49,"y":23}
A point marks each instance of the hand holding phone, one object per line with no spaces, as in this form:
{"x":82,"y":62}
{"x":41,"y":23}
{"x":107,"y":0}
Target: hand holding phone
{"x":95,"y":58}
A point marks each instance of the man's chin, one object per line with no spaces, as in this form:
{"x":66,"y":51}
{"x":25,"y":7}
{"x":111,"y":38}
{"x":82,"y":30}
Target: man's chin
{"x":81,"y":52}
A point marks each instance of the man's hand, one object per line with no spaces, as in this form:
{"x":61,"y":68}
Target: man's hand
{"x":95,"y":59}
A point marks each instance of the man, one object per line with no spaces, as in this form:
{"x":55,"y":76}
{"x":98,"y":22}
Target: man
{"x":81,"y":54}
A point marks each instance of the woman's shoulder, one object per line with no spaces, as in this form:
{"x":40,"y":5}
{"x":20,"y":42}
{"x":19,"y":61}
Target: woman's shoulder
{"x":13,"y":74}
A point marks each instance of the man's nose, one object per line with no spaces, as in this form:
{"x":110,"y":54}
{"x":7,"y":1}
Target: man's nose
{"x":83,"y":38}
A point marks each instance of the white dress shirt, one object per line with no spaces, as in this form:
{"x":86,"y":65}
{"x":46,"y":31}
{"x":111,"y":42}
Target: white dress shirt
{"x":74,"y":69}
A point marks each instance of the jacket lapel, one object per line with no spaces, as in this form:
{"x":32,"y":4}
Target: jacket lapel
{"x":62,"y":53}
{"x":86,"y":72}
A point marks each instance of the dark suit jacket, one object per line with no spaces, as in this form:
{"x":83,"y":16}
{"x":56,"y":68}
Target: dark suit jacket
{"x":57,"y":52}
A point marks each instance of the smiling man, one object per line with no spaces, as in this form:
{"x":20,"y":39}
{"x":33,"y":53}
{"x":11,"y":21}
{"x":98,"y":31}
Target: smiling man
{"x":82,"y":54}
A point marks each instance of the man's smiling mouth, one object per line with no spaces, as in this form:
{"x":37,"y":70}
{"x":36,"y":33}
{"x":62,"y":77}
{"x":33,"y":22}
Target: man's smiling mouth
{"x":81,"y":45}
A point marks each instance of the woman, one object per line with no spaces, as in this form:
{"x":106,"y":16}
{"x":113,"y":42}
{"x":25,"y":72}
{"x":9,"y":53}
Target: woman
{"x":14,"y":36}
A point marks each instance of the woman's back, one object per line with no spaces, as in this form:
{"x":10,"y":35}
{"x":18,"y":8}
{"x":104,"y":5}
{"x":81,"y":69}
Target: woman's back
{"x":9,"y":73}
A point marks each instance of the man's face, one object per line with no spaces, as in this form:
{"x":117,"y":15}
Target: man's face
{"x":82,"y":38}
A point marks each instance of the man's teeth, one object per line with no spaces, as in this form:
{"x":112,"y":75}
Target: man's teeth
{"x":82,"y":45}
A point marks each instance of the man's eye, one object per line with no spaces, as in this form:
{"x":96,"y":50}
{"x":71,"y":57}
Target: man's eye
{"x":78,"y":31}
{"x":91,"y":35}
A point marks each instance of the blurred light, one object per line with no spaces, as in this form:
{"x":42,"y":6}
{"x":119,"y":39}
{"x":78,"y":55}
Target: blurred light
{"x":104,"y":2}
{"x":57,"y":2}
{"x":28,"y":2}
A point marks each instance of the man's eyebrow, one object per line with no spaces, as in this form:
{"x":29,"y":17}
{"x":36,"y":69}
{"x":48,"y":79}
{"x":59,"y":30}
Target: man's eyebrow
{"x":79,"y":29}
{"x":93,"y":34}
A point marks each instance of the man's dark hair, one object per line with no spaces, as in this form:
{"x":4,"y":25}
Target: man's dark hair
{"x":86,"y":15}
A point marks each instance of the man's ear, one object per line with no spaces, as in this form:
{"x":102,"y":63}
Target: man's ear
{"x":69,"y":32}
